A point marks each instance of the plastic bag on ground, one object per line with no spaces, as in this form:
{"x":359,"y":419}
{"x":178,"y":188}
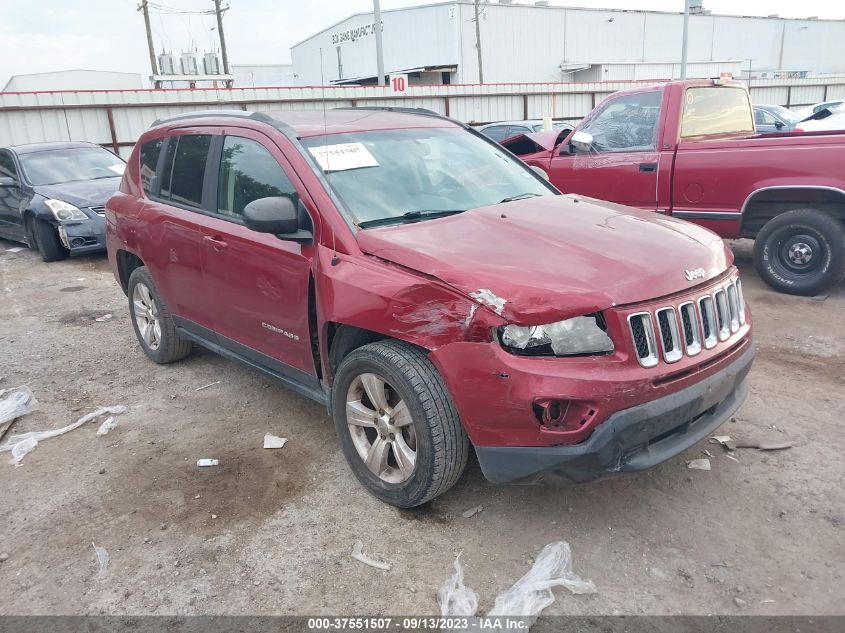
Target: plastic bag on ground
{"x":455,"y":598}
{"x":39,"y":436}
{"x":16,"y":402}
{"x":107,"y":426}
{"x":102,"y":558}
{"x":532,"y":593}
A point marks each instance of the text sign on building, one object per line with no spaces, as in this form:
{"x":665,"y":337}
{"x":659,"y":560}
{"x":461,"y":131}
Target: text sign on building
{"x":398,"y":83}
{"x":354,"y":33}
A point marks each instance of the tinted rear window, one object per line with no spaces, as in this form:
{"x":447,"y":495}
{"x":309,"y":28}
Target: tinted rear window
{"x":149,"y":161}
{"x":167,"y":167}
{"x":716,"y":110}
{"x":189,"y":169}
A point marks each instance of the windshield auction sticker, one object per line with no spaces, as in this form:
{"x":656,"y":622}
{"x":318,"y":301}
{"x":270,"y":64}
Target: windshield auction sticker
{"x":343,"y":157}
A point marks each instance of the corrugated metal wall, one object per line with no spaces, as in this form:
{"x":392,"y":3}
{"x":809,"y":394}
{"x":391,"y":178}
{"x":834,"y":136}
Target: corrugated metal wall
{"x":115,"y":119}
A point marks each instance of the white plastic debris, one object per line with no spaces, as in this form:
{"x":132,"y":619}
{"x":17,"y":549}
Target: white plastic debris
{"x":468,"y":514}
{"x":533,"y":592}
{"x":39,"y":436}
{"x":102,"y":558}
{"x":274,"y":441}
{"x":211,"y":384}
{"x":15,"y":403}
{"x":14,"y":249}
{"x":105,"y":317}
{"x":359,"y":555}
{"x":455,"y":598}
{"x":528,"y":596}
{"x":107,"y":426}
{"x":22,"y":448}
{"x":207,"y":462}
{"x":699,"y":464}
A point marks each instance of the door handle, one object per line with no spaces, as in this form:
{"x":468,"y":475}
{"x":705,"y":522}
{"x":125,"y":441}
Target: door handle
{"x":216,"y":242}
{"x":648,"y":167}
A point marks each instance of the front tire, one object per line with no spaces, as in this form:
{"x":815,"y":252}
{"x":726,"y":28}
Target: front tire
{"x":397,"y":424}
{"x":152,"y":321}
{"x":801,"y":252}
{"x":49,"y":244}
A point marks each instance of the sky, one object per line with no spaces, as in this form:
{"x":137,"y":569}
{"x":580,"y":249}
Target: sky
{"x":109,"y":34}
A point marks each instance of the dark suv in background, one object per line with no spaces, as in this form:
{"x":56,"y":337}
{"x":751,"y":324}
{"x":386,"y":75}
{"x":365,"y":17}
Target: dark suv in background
{"x":52,"y":196}
{"x":431,"y":290}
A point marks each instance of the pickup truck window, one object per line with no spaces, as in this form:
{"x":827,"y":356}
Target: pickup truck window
{"x":626,"y":124}
{"x":716,"y":110}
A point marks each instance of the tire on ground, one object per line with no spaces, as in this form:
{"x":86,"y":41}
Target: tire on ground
{"x":775,"y":269}
{"x":48,"y":242}
{"x":171,"y":347}
{"x":442,"y":446}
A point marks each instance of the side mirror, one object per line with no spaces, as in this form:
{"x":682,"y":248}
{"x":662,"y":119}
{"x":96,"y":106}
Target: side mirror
{"x":779,"y":124}
{"x":8,"y":181}
{"x":276,"y":215}
{"x":540,"y":172}
{"x":581,"y":141}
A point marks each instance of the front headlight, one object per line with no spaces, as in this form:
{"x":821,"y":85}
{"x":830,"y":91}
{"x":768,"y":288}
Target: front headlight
{"x":579,"y":335}
{"x":64,"y":211}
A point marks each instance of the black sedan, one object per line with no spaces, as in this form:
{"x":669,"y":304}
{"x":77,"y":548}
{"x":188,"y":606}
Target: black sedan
{"x":52,"y":196}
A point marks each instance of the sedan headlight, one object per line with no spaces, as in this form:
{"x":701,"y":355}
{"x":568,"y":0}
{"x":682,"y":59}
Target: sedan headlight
{"x":579,"y":335}
{"x":64,"y":211}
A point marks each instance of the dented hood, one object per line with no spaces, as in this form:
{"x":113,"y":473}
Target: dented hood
{"x":552,"y":257}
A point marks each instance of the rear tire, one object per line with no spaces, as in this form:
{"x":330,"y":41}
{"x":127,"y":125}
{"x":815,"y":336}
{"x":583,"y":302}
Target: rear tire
{"x":801,"y":252}
{"x":152,"y":321}
{"x":422,"y":442}
{"x":48,"y":242}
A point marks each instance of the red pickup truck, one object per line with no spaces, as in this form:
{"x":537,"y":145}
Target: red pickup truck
{"x":689,"y":149}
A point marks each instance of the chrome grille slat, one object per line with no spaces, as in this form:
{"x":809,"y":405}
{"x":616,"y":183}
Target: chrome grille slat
{"x":642,"y":332}
{"x":669,"y":335}
{"x":722,"y":315}
{"x":733,"y":308}
{"x":708,"y":320}
{"x":689,"y":323}
{"x":688,"y":327}
{"x":98,"y":210}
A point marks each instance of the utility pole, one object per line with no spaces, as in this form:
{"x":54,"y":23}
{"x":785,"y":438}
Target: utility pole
{"x":379,"y":50}
{"x":219,"y":13}
{"x":478,"y":43}
{"x":685,"y":40}
{"x":146,"y":12}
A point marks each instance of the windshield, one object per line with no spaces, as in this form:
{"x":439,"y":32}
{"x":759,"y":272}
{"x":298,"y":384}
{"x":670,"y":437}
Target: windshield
{"x":52,"y":167}
{"x":392,"y":173}
{"x":787,"y":115}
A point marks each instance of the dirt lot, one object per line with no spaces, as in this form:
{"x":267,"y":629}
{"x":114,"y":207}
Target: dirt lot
{"x":270,"y":532}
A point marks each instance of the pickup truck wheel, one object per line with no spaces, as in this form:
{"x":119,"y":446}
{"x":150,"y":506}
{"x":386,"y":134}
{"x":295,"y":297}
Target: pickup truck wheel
{"x":153,"y":324}
{"x":801,"y":252}
{"x":397,"y":425}
{"x":49,"y":244}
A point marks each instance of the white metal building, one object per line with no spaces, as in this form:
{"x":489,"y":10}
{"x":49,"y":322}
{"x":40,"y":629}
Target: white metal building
{"x":436,"y":43}
{"x":261,"y":75}
{"x":74,"y":80}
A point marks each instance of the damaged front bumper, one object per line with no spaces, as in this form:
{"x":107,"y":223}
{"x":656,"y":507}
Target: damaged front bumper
{"x":84,"y":237}
{"x":633,"y":439}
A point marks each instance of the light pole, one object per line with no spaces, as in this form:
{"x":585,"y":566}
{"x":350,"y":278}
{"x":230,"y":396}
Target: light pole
{"x":685,"y":40}
{"x":379,"y":51}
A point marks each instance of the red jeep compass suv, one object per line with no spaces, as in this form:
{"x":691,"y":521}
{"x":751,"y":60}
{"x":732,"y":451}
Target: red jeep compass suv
{"x":431,"y":290}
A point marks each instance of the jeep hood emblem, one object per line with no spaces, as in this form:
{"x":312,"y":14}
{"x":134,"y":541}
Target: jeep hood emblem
{"x":695,"y":273}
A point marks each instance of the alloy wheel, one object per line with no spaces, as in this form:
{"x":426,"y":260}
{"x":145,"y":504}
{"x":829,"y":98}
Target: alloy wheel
{"x":382,"y":428}
{"x":146,"y":316}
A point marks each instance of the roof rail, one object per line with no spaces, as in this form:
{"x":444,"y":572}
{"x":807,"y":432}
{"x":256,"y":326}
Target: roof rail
{"x":419,"y":111}
{"x":260,"y":116}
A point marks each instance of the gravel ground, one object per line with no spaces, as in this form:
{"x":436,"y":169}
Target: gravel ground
{"x":270,"y":531}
